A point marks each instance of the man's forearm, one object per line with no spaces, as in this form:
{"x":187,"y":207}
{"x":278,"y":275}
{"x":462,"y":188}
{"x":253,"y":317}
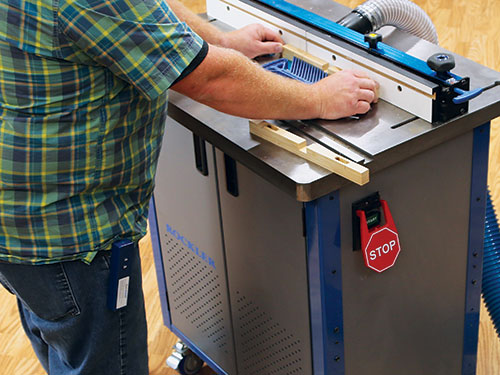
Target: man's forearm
{"x":230,"y":83}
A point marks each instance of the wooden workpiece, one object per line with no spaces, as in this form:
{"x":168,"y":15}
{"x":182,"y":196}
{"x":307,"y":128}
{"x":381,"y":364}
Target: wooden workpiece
{"x":332,"y":70}
{"x":314,"y":153}
{"x":289,"y":52}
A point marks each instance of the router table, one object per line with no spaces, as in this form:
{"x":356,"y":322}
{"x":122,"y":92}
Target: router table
{"x":258,"y":268}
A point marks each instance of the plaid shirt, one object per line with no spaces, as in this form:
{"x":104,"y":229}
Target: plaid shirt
{"x":82,"y":106}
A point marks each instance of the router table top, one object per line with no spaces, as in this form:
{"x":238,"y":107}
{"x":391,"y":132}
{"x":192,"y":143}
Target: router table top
{"x":372,"y":140}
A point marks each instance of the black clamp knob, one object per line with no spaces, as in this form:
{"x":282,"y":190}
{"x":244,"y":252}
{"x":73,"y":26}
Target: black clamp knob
{"x":441,"y":62}
{"x":373,"y":39}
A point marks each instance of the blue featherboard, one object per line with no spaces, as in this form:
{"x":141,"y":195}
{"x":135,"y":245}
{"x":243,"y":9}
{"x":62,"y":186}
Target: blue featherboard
{"x":296,"y":69}
{"x":351,"y":36}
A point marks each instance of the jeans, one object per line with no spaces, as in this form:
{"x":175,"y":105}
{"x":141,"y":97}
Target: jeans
{"x":63,"y":311}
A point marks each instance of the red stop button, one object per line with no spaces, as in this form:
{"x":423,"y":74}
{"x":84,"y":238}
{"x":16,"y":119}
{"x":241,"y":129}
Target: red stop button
{"x":380,"y":244}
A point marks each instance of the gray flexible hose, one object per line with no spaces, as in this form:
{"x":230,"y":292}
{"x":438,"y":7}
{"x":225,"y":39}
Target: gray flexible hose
{"x":403,"y":14}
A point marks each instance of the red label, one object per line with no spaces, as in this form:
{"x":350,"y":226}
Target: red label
{"x":382,"y":250}
{"x":380,"y":244}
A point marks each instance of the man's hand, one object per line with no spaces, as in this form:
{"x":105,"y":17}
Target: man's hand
{"x":253,"y":40}
{"x":345,"y":93}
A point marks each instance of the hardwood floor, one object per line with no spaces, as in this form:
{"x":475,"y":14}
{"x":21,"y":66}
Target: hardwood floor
{"x":469,"y":28}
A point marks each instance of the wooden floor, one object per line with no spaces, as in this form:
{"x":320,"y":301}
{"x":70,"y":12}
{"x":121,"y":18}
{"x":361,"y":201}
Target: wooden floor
{"x":468,"y":27}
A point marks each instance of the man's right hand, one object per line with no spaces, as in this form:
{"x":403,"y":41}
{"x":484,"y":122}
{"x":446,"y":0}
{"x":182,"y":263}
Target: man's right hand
{"x":345,"y":93}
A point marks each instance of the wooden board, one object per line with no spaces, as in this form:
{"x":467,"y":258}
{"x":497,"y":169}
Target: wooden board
{"x":314,"y":153}
{"x":289,"y":52}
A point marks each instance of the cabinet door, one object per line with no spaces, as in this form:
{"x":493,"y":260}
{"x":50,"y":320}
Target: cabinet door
{"x":410,"y":319}
{"x":267,"y":273}
{"x":191,"y":244}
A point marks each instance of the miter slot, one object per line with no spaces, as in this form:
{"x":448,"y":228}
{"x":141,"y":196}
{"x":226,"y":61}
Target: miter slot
{"x":402,"y":123}
{"x":334,"y":144}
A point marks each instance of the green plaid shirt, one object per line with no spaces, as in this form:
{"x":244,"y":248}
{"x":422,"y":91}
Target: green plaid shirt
{"x":82,"y":106}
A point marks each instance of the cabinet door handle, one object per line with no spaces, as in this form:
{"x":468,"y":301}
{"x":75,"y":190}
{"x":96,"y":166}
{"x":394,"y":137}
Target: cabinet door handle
{"x":200,"y":155}
{"x":231,"y":176}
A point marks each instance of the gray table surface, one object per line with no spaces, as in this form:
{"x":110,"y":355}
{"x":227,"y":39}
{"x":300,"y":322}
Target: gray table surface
{"x":370,"y":140}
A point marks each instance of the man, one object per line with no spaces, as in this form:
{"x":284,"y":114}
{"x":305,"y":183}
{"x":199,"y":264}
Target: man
{"x":83,"y":93}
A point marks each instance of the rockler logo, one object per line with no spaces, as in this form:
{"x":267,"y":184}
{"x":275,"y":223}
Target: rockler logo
{"x":196,"y":251}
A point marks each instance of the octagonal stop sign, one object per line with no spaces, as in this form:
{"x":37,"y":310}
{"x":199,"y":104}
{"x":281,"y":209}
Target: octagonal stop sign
{"x":380,"y":244}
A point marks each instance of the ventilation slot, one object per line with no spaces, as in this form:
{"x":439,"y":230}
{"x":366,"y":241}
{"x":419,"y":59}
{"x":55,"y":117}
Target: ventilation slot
{"x":195,"y":292}
{"x":267,"y":348}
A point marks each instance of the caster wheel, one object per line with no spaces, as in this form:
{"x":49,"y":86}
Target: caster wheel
{"x":184,"y":360}
{"x":191,"y":364}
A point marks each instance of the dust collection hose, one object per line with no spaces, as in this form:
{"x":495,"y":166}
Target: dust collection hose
{"x":403,"y":14}
{"x":491,"y":264}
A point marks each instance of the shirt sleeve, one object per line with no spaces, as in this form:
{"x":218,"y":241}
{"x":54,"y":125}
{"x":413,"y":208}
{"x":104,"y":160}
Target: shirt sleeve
{"x":141,"y":41}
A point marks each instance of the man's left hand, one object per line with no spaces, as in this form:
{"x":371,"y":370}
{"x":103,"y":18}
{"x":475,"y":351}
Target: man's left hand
{"x":254,"y":40}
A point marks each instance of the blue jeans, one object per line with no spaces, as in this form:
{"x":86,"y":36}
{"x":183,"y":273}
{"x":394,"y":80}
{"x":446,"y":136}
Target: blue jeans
{"x":64,"y":313}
